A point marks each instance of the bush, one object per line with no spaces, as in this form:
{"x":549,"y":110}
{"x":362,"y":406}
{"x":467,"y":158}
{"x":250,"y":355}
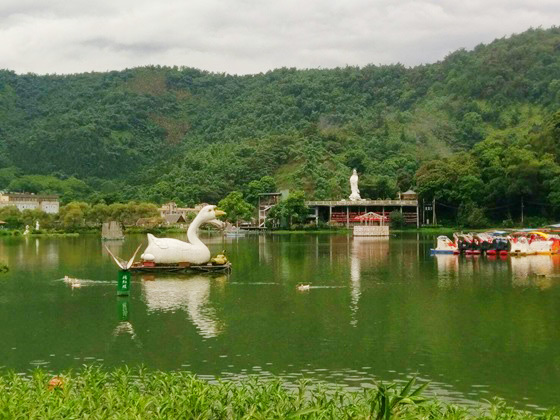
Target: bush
{"x":535,"y":221}
{"x":334,"y":225}
{"x":508,"y":223}
{"x":397,"y":219}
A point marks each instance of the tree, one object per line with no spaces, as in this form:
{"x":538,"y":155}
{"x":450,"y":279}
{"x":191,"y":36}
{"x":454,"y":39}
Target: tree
{"x":397,"y":219}
{"x":264,"y":185}
{"x":30,"y":217}
{"x":290,"y":211}
{"x":99,"y":214}
{"x":236,"y":207}
{"x":12,"y":216}
{"x":73,"y":215}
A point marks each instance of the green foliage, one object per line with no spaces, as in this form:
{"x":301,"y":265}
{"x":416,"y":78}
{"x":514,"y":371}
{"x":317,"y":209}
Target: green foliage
{"x":78,"y":215}
{"x":266,"y":184}
{"x":290,"y":212}
{"x":12,"y":216}
{"x":73,"y":215}
{"x":481,"y":126}
{"x":397,"y":219}
{"x":139,"y":393}
{"x":471,"y":216}
{"x":235,"y":207}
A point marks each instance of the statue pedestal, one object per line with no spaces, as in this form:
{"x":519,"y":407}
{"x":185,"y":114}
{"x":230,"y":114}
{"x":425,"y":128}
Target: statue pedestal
{"x":371,"y":230}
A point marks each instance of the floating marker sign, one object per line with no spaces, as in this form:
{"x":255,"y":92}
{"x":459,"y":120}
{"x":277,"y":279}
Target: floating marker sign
{"x":123,"y":283}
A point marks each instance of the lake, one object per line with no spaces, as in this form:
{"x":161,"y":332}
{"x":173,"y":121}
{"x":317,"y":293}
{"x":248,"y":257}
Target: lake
{"x":377,"y":309}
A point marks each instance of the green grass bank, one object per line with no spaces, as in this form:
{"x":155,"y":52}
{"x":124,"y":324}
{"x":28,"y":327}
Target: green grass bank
{"x":93,"y":392}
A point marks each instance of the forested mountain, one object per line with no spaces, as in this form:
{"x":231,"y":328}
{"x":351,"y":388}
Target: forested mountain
{"x":479,"y":130}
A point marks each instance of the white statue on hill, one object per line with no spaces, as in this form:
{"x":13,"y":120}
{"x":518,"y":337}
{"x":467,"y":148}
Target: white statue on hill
{"x":355,"y":196}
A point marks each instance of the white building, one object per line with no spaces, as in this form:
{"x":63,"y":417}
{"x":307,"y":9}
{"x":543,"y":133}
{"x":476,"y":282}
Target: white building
{"x":26,"y":201}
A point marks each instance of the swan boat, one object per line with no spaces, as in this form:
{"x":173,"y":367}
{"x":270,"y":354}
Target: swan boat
{"x":173,"y":255}
{"x":445,"y":246}
{"x":534,"y":243}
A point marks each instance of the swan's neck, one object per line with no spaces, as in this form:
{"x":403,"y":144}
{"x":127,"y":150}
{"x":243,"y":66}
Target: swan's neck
{"x":192,"y":232}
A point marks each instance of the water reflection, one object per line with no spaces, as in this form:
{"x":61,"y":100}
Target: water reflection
{"x":30,"y":252}
{"x":366,"y":252}
{"x":526,"y":271}
{"x":264,"y":251}
{"x":114,"y":246}
{"x":523,"y":267}
{"x":533,"y":271}
{"x":448,"y":269}
{"x":188,"y":293}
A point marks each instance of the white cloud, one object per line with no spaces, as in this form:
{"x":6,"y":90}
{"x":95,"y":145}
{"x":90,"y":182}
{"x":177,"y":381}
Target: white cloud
{"x":250,"y":36}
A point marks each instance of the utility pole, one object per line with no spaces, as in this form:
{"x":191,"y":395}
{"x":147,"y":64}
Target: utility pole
{"x":522,"y":211}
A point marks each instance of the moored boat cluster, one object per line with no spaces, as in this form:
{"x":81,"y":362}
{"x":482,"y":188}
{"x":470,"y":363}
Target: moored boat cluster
{"x":499,"y":243}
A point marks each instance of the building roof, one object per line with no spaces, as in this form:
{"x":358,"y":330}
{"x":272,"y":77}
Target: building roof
{"x":2,"y":222}
{"x":30,"y":195}
{"x":409,"y":192}
{"x":174,"y":218}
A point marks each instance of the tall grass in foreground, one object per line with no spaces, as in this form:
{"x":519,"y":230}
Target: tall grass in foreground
{"x":141,"y":394}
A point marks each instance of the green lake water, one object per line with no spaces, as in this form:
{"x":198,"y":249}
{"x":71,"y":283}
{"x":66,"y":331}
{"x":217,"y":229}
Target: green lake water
{"x":377,"y":310}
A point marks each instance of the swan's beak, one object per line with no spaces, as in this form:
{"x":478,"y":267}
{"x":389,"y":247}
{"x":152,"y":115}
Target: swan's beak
{"x":219,"y":213}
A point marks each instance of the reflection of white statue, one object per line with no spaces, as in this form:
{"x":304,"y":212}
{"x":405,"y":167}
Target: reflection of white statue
{"x":354,"y":187}
{"x":37,"y":225}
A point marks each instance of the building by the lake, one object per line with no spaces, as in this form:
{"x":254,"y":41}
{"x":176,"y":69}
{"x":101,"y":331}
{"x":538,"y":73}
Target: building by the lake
{"x":29,"y":201}
{"x":171,"y":209}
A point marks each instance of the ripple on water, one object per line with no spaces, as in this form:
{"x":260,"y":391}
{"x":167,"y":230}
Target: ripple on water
{"x":38,"y":363}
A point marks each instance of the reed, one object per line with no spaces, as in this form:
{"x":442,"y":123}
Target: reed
{"x":93,"y":392}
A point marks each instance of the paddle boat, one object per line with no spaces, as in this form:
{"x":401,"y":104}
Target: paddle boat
{"x":445,"y":246}
{"x":533,"y":243}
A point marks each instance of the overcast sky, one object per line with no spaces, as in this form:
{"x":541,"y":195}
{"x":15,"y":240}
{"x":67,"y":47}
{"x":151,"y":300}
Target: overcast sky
{"x":251,"y":36}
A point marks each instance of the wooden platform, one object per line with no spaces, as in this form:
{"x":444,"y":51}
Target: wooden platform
{"x":178,"y":268}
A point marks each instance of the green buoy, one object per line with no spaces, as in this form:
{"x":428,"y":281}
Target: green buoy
{"x":123,"y":283}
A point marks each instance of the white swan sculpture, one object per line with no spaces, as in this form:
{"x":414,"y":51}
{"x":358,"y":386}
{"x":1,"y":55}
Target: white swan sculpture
{"x":173,"y":251}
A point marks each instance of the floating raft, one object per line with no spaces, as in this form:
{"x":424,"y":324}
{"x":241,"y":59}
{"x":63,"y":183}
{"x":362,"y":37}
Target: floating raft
{"x":180,"y":268}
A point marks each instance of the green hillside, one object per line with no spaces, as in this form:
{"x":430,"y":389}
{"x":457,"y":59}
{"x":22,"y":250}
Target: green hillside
{"x":478,"y":130}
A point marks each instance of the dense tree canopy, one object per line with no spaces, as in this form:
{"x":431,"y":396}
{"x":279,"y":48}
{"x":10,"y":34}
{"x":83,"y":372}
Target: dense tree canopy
{"x":480,"y":128}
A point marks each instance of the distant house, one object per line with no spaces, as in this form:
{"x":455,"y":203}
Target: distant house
{"x":408,"y":195}
{"x":30,"y":201}
{"x":2,"y":224}
{"x":171,"y":208}
{"x":174,"y":219}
